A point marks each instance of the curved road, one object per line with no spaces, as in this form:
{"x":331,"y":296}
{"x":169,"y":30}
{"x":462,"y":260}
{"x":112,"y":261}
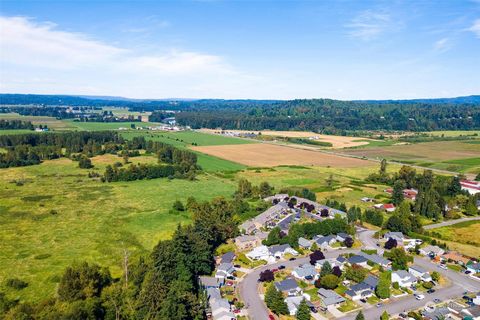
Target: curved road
{"x":449,"y":223}
{"x":459,"y":283}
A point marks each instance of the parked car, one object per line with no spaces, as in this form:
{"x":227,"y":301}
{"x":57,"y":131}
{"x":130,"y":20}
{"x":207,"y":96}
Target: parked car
{"x":281,"y":267}
{"x":468,"y":272}
{"x":231,"y":278}
{"x":419,"y":296}
{"x":430,"y":290}
{"x":379,"y":305}
{"x":403,"y":315}
{"x":363,"y":300}
{"x":271,"y":317}
{"x":292,"y":259}
{"x":443,"y":266}
{"x":274,"y":270}
{"x":237,"y":266}
{"x":436,"y":300}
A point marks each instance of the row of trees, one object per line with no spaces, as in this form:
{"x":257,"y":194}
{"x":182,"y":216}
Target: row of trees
{"x":162,"y":285}
{"x":15,"y":124}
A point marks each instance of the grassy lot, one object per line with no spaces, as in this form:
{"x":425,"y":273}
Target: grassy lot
{"x":461,"y":156}
{"x":96,"y":126}
{"x":15,"y":131}
{"x":60,"y":216}
{"x":457,"y":133}
{"x":51,"y":122}
{"x":463,"y":237}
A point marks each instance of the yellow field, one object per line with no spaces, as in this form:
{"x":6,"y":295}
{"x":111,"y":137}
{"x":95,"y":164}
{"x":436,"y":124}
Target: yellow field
{"x":269,"y":155}
{"x":336,"y":141}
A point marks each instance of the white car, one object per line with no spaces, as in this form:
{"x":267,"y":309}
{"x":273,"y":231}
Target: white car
{"x":443,"y":266}
{"x":419,"y":296}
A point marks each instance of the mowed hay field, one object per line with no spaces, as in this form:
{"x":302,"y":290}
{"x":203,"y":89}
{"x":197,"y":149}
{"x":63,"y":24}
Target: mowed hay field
{"x":463,"y":156}
{"x":51,"y":122}
{"x":336,"y":141}
{"x":269,"y":155}
{"x":59,"y":216}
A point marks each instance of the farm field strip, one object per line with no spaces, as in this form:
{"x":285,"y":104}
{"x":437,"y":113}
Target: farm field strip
{"x":270,"y":155}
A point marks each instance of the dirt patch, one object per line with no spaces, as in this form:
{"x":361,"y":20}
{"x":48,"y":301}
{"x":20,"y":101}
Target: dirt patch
{"x":269,"y":155}
{"x":336,"y":141}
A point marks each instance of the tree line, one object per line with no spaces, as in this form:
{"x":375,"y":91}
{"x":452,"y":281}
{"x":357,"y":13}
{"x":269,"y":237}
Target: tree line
{"x":15,"y":124}
{"x":334,"y":116}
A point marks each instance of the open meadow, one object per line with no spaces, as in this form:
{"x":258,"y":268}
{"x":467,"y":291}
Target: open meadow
{"x":463,"y":237}
{"x":52,"y":214}
{"x":52,"y":123}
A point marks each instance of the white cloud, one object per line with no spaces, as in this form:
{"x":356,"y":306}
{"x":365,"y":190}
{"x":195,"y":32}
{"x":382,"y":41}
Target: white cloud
{"x":368,"y":24}
{"x":77,"y":64}
{"x":475,"y":28}
{"x":442,"y":45}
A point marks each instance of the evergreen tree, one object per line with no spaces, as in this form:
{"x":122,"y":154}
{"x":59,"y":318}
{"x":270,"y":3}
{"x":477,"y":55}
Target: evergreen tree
{"x":385,"y":315}
{"x":303,"y":312}
{"x":326,"y":269}
{"x":360,"y":316}
{"x":274,"y":300}
{"x":397,"y":195}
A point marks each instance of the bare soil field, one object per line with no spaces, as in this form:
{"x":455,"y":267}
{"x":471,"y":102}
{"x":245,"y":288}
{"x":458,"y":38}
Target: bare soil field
{"x":269,"y":155}
{"x":336,"y":141}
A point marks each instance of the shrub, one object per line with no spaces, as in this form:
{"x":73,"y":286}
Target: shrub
{"x":16,"y":283}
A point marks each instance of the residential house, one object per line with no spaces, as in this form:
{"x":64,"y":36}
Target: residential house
{"x":376,"y":259}
{"x":473,"y":312}
{"x":278,"y":251}
{"x":224,"y":270}
{"x":431,"y":251}
{"x":456,"y":257}
{"x":248,"y":227}
{"x":389,"y":207}
{"x":342,"y":236}
{"x":277,"y":197}
{"x":329,"y":298}
{"x":404,"y":278}
{"x":472,"y":187}
{"x":410,"y":194}
{"x":246,"y":242}
{"x":213,"y":294}
{"x":371,"y":281}
{"x":305,"y":272}
{"x":210,"y":282}
{"x":263,"y":220}
{"x":260,"y":253}
{"x":304,"y":243}
{"x":294,"y":302}
{"x":473,"y":267}
{"x":366,"y":199}
{"x":358,"y":260}
{"x":359,"y":291}
{"x":227,"y":257}
{"x":437,"y":313}
{"x":325,"y":242}
{"x":420,"y":273}
{"x":289,"y":286}
{"x":221,"y":309}
{"x":333,"y":263}
{"x":398,"y":236}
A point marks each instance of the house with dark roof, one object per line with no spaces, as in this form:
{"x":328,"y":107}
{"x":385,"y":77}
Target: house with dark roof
{"x":224,"y":270}
{"x":358,"y":260}
{"x":325,"y":241}
{"x":342,"y":236}
{"x":305,"y":272}
{"x":359,"y":291}
{"x":376,"y":259}
{"x":227,"y":257}
{"x":289,"y":286}
{"x":278,"y":251}
{"x":210,"y":282}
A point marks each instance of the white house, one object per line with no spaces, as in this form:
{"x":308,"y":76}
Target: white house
{"x":289,"y":286}
{"x":420,"y":273}
{"x":294,"y":302}
{"x":394,"y":235}
{"x":260,"y":253}
{"x":432,"y":251}
{"x":330,"y":298}
{"x":404,"y":278}
{"x":325,"y":241}
{"x":278,"y":251}
{"x":304,"y":243}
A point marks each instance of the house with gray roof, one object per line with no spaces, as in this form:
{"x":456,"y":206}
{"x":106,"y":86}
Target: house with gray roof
{"x":342,"y":236}
{"x":325,"y":241}
{"x":304,"y":243}
{"x":210,"y":282}
{"x":359,"y":291}
{"x":394,"y":235}
{"x":329,"y":297}
{"x":358,"y":259}
{"x":289,"y":286}
{"x":224,"y":270}
{"x":376,"y":259}
{"x":431,"y":251}
{"x":305,"y":272}
{"x":437,"y":313}
{"x":420,"y":273}
{"x":371,"y":281}
{"x":227,"y":257}
{"x":294,"y":302}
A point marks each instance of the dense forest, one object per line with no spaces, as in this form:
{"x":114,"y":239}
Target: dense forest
{"x":319,"y":115}
{"x":333,"y":116}
{"x":15,"y":124}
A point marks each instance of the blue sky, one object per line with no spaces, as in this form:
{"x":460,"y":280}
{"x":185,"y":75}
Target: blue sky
{"x":241,"y":49}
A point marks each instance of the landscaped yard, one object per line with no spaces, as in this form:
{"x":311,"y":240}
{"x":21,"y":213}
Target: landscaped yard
{"x":348,"y":306}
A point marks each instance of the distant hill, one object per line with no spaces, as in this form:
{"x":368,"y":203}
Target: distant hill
{"x":475,"y":99}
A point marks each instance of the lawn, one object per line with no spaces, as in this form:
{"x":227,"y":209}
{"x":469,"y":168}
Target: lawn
{"x":348,"y":306}
{"x":59,"y":216}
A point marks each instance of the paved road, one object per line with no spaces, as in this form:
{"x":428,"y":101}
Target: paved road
{"x":459,"y":284}
{"x":248,"y":287}
{"x":449,"y":223}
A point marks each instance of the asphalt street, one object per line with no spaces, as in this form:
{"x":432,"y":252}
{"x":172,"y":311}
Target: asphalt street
{"x":459,"y":283}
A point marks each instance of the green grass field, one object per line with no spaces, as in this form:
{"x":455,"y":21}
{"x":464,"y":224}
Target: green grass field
{"x":52,"y":123}
{"x":15,"y":131}
{"x":60,"y":216}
